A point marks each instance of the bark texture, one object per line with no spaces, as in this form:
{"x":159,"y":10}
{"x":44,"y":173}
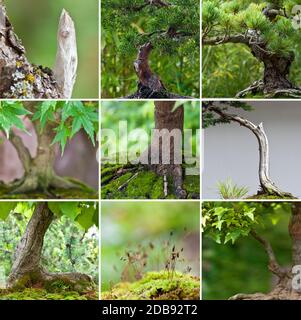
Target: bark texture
{"x":266,"y":183}
{"x":164,"y":155}
{"x":19,"y":79}
{"x":27,"y":270}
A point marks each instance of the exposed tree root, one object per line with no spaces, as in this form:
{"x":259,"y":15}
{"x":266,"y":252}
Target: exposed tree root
{"x":33,"y":183}
{"x":277,"y":294}
{"x":258,"y":87}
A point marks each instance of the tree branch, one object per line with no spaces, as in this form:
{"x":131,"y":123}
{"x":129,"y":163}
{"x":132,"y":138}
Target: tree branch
{"x":273,"y":264}
{"x":23,"y":152}
{"x":239,"y":38}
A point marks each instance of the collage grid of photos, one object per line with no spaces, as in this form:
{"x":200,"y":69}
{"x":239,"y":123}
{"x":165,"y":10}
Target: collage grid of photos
{"x":141,"y":162}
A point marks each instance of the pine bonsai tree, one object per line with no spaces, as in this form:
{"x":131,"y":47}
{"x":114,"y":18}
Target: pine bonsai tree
{"x":27,"y":269}
{"x":229,"y":221}
{"x":163,"y":27}
{"x":215,"y":113}
{"x":54,"y":122}
{"x":267,"y":30}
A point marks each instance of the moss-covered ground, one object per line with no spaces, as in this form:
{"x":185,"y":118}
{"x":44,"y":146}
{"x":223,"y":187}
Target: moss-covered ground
{"x":83,"y":192}
{"x":134,"y":182}
{"x":43,"y":294}
{"x":162,"y":285}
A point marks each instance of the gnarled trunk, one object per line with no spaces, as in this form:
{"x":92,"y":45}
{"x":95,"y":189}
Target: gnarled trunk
{"x":266,"y":183}
{"x":27,"y":270}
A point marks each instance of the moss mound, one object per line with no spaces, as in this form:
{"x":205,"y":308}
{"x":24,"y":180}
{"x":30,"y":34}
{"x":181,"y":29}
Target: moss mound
{"x":162,"y":285}
{"x":43,"y":294}
{"x":125,"y":182}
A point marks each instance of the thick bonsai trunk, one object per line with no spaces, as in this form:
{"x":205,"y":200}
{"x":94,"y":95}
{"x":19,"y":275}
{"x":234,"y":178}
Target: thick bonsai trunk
{"x":275,"y":80}
{"x":266,"y":183}
{"x":27,"y":270}
{"x":164,"y":155}
{"x":39,"y":171}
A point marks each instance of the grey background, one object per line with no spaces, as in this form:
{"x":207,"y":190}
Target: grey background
{"x":232,"y":151}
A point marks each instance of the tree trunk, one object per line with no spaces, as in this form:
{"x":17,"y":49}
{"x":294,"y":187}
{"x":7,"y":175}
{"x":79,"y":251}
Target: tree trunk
{"x":267,"y":185}
{"x":276,"y":69}
{"x":19,"y":79}
{"x":295,"y":233}
{"x":150,"y":85}
{"x":27,"y":270}
{"x":39,"y":172}
{"x":28,"y":252}
{"x":165,"y":153}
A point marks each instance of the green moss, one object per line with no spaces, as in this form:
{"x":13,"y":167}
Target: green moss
{"x":157,"y":286}
{"x":58,"y":193}
{"x":42,"y":294}
{"x":145,"y":185}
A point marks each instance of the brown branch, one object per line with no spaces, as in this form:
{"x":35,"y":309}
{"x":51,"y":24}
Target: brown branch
{"x":273,"y":264}
{"x":239,"y":38}
{"x":23,"y":152}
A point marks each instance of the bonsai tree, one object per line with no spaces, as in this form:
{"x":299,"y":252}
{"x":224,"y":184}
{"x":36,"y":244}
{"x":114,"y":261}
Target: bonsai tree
{"x":55,"y":122}
{"x":217,"y":113}
{"x":19,"y":79}
{"x":164,"y":156}
{"x":229,"y":221}
{"x":163,"y":27}
{"x":27,"y":269}
{"x":266,"y":28}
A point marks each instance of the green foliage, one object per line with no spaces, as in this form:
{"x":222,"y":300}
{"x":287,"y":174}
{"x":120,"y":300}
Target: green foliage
{"x":210,"y":118}
{"x":66,"y":118}
{"x":74,"y":116}
{"x":10,"y":112}
{"x":242,"y":268}
{"x":124,"y":29}
{"x":84,"y":213}
{"x":230,"y":190}
{"x":225,"y":221}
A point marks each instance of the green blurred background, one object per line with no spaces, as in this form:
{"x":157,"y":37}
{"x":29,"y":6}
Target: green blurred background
{"x":140,"y":114}
{"x":126,"y":225}
{"x":36,"y":24}
{"x":243,"y":267}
